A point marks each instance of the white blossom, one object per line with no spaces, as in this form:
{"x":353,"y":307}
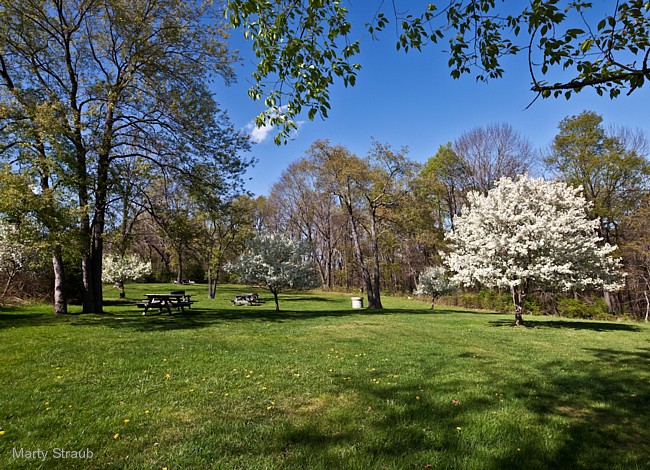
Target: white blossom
{"x":529,"y":232}
{"x":128,"y":268}
{"x":276,"y":262}
{"x":14,"y":255}
{"x":434,"y":282}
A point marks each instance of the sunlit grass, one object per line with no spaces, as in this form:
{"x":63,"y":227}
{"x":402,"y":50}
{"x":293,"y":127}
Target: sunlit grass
{"x":320,"y":385}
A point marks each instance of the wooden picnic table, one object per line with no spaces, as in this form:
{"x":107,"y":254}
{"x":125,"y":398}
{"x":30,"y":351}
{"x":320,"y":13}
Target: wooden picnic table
{"x":160,"y":301}
{"x":245,"y":299}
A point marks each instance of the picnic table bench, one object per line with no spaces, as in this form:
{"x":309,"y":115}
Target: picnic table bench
{"x":246,"y":299}
{"x":175,"y":299}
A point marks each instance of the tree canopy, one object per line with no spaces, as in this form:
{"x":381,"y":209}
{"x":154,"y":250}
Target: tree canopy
{"x":304,"y":47}
{"x":86,"y":85}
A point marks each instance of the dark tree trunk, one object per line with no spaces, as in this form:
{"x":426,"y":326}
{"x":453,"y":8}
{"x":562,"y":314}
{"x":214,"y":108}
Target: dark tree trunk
{"x":213,"y":280}
{"x":119,"y":285}
{"x":275,"y":297}
{"x":376,"y":288}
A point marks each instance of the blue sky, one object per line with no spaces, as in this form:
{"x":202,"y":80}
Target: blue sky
{"x":411,"y":100}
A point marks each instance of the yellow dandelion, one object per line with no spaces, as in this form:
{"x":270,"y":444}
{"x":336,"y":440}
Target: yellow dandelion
{"x":146,"y":412}
{"x":458,"y":428}
{"x":168,"y":376}
{"x":48,"y":408}
{"x":2,"y":433}
{"x":417,"y":397}
{"x":47,"y":402}
{"x":126,"y":421}
{"x":116,"y":435}
{"x":269,"y":407}
{"x":59,"y":377}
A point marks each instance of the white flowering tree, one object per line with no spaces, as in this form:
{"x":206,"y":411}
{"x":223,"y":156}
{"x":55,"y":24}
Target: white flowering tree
{"x":529,"y":233}
{"x":275,"y":262}
{"x":119,"y":269}
{"x":13,"y":256}
{"x":435,"y":283}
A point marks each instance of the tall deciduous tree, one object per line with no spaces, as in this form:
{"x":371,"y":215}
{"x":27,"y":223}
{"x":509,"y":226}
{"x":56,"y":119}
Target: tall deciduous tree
{"x":303,"y":207}
{"x":276,"y":263}
{"x":305,"y":47}
{"x":491,"y":153}
{"x":609,"y":165}
{"x":224,"y":229}
{"x":367,"y":189}
{"x":529,"y":234}
{"x":40,"y":209}
{"x":445,"y":177}
{"x":101,"y":81}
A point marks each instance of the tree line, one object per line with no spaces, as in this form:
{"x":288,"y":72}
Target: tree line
{"x":378,"y":221}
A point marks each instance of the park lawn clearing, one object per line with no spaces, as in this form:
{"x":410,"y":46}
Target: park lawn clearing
{"x":320,"y":385}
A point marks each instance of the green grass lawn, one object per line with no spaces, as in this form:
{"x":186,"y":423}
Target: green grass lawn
{"x":320,"y":385}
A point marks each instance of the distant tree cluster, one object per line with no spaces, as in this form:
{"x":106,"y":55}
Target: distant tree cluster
{"x":471,"y":213}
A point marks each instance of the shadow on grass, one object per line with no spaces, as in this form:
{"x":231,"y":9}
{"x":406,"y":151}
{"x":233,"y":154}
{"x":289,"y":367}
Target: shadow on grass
{"x":199,"y":318}
{"x":593,"y":416}
{"x":569,"y":325}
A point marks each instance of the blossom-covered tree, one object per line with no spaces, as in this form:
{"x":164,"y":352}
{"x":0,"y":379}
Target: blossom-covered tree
{"x":435,"y":282}
{"x":275,"y":262}
{"x":529,"y":233}
{"x":13,"y":256}
{"x":118,"y":269}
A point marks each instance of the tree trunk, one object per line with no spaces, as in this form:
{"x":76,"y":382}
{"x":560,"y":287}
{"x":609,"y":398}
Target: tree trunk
{"x":518,"y":300}
{"x":60,"y":301}
{"x":213,"y":282}
{"x":179,"y":272}
{"x":607,"y":296}
{"x":275,"y":297}
{"x":360,"y":259}
{"x":119,"y":285}
{"x":376,"y":288}
{"x":96,"y":260}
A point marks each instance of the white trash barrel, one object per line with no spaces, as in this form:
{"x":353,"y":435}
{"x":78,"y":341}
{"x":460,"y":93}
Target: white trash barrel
{"x":357,"y":302}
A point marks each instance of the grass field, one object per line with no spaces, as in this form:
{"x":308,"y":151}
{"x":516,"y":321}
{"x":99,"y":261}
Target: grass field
{"x":319,"y":385}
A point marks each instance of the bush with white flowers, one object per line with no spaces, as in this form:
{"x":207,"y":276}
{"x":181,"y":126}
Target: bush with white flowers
{"x":119,"y":269}
{"x":435,"y":283}
{"x":276,"y":262}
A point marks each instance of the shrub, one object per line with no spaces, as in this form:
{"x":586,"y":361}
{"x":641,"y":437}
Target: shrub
{"x":579,"y":308}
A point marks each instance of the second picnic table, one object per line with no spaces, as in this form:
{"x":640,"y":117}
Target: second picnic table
{"x":160,"y":301}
